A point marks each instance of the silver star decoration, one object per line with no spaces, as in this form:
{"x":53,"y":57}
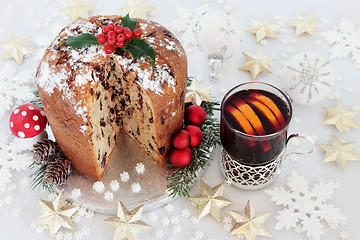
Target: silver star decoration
{"x":127,"y":223}
{"x":305,"y":24}
{"x":16,"y":48}
{"x":341,"y":117}
{"x":264,"y":28}
{"x":210,"y":200}
{"x":339,"y":152}
{"x":137,"y":8}
{"x":197,"y":94}
{"x":57,"y":214}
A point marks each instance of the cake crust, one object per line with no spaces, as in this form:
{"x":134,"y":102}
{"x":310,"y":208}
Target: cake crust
{"x":90,"y":96}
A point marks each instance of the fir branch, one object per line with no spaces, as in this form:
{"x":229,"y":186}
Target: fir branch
{"x":37,"y":101}
{"x":181,"y":180}
{"x":38,"y":177}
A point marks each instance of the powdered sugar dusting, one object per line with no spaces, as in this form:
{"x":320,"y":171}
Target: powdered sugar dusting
{"x":51,"y":76}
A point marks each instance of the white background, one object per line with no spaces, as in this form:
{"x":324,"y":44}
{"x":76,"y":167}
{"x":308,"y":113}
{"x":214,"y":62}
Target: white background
{"x":31,"y":17}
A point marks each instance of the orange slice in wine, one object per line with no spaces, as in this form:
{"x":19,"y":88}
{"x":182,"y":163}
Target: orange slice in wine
{"x":265,"y":111}
{"x":240,"y":119}
{"x":271,"y":105}
{"x":250,"y":115}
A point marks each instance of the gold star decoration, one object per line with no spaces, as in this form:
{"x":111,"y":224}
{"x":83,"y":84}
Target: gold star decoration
{"x":263,"y":28}
{"x":196,"y":94}
{"x":16,"y":48}
{"x":339,"y":152}
{"x":249,"y":224}
{"x":341,"y":117}
{"x":256,"y":63}
{"x":57,"y":214}
{"x":137,"y":8}
{"x":305,"y":24}
{"x":78,"y":9}
{"x":127,"y":223}
{"x":210,"y":200}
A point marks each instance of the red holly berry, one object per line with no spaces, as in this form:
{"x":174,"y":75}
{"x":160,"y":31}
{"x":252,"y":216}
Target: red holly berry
{"x":105,"y":29}
{"x":111,"y":34}
{"x":137,"y":33}
{"x":196,"y":135}
{"x":181,"y":139}
{"x":27,"y":121}
{"x":111,"y":40}
{"x":120,"y":44}
{"x":126,"y":29}
{"x":111,"y":26}
{"x":120,"y":37}
{"x":195,"y":115}
{"x":101,"y":38}
{"x":128,"y":34}
{"x":180,"y":157}
{"x":109,"y":49}
{"x":118,"y":29}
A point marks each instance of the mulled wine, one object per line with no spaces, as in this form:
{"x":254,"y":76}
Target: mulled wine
{"x":254,"y":125}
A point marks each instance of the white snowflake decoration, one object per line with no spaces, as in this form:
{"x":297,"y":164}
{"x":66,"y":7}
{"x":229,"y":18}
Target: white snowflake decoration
{"x":12,"y":158}
{"x":16,"y":87}
{"x":304,"y":208}
{"x":345,"y":40}
{"x":187,"y":21}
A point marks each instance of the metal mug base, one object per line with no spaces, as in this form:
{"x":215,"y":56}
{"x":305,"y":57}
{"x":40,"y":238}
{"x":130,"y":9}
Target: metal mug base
{"x":249,"y":177}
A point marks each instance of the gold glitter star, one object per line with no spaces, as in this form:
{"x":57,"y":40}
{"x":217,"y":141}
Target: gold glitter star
{"x":196,"y":94}
{"x":137,"y":8}
{"x":305,"y":24}
{"x":341,"y":117}
{"x":263,"y":28}
{"x":127,"y":223}
{"x":210,"y":200}
{"x":256,"y":63}
{"x":338,"y":152}
{"x":16,"y":48}
{"x":57,"y":214}
{"x":249,"y":224}
{"x":78,"y":9}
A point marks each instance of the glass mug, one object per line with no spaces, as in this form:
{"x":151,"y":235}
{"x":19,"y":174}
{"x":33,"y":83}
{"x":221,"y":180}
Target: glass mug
{"x":254,"y":122}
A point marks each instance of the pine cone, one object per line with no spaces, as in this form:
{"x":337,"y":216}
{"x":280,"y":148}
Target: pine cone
{"x":45,"y":151}
{"x":58,"y":171}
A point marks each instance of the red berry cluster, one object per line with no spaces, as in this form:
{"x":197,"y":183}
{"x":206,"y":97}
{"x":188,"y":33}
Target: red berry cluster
{"x":116,"y":35}
{"x":189,"y":137}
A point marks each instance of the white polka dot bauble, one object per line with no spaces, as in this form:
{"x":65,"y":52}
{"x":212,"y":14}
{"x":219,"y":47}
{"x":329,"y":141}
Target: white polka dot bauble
{"x":307,"y":78}
{"x":27,"y":121}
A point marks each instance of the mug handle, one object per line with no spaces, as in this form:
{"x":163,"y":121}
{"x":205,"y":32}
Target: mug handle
{"x":309,"y":139}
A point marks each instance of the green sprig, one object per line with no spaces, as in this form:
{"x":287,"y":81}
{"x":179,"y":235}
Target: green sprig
{"x":38,"y":178}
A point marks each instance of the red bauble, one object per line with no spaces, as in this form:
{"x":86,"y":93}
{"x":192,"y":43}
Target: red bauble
{"x":180,"y":157}
{"x":195,"y":115}
{"x":181,"y":139}
{"x":195,"y":134}
{"x":27,"y":121}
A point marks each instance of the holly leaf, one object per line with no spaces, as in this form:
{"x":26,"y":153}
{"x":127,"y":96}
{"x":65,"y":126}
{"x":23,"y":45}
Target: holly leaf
{"x":129,"y":22}
{"x":80,"y":41}
{"x":138,"y":48}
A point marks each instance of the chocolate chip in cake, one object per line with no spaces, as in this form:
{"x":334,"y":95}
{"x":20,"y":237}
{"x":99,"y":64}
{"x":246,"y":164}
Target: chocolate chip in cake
{"x":103,"y":160}
{"x":151,"y":146}
{"x":91,"y":91}
{"x":162,"y":150}
{"x":102,"y":122}
{"x":162,"y":120}
{"x":151,"y":120}
{"x":168,"y":34}
{"x":97,"y":95}
{"x":100,"y":105}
